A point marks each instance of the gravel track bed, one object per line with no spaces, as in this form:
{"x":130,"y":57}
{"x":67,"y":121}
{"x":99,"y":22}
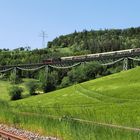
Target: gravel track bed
{"x":24,"y":133}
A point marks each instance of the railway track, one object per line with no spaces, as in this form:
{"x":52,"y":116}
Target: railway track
{"x":9,"y":136}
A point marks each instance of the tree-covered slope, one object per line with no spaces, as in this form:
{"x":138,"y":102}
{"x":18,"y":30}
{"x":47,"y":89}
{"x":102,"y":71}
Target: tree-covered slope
{"x":95,"y":41}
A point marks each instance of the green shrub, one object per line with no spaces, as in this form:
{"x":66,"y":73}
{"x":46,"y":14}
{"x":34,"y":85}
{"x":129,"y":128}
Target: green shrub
{"x":15,"y":93}
{"x":49,"y":82}
{"x":2,"y":76}
{"x":65,"y":82}
{"x":14,"y":79}
{"x":32,"y":86}
{"x":84,"y":73}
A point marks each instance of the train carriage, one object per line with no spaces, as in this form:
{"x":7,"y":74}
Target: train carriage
{"x":92,"y":56}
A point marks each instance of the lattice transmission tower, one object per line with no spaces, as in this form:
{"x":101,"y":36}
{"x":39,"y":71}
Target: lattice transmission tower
{"x":43,"y":35}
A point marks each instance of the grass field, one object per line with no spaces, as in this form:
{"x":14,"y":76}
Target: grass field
{"x":5,"y":86}
{"x":113,"y":99}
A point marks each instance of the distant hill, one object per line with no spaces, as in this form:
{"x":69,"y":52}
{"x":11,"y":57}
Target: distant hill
{"x":95,"y":41}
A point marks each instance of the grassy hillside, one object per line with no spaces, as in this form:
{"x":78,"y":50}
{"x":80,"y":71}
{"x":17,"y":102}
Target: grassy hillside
{"x":5,"y":86}
{"x":123,"y":85}
{"x":113,"y":99}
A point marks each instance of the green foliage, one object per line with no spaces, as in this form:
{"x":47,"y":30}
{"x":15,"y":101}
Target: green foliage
{"x":62,"y":78}
{"x":14,"y":78}
{"x":15,"y":92}
{"x":6,"y":85}
{"x":32,"y":87}
{"x":83,"y":73}
{"x":43,"y":80}
{"x":65,"y":82}
{"x":48,"y":80}
{"x":52,"y":80}
{"x":2,"y":76}
{"x":99,"y":41}
{"x":42,"y":76}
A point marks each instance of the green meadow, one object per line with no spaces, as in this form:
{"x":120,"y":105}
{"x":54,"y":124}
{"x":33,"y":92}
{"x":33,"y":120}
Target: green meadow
{"x":63,"y":113}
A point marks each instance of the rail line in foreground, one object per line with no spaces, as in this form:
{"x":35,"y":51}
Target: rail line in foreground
{"x":9,"y":136}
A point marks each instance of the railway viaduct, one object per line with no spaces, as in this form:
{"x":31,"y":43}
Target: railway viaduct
{"x":106,"y":60}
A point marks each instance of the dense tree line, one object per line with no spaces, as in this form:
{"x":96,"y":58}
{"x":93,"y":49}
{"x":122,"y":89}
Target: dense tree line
{"x":58,"y":78}
{"x":99,"y":41}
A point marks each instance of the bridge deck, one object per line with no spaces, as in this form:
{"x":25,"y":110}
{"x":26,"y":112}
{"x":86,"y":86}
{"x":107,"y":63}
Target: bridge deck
{"x":70,"y":62}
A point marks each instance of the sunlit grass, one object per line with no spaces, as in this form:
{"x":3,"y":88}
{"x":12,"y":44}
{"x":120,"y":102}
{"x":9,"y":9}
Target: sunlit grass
{"x":113,"y":99}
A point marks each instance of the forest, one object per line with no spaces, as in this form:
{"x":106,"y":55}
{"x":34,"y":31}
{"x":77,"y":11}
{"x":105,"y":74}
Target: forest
{"x":99,"y":41}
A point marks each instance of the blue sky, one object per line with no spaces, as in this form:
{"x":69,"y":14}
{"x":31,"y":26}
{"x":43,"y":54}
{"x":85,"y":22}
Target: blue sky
{"x":21,"y":21}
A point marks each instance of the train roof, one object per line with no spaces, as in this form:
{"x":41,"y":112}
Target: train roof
{"x":97,"y":53}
